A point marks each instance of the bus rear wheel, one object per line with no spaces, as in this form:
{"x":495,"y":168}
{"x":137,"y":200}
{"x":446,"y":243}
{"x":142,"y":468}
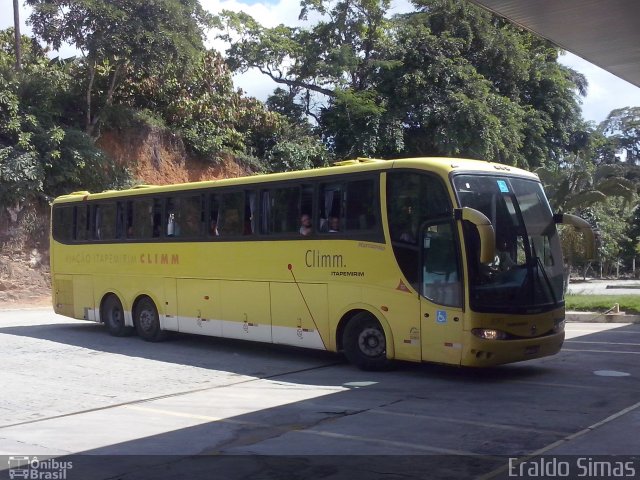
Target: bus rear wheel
{"x":364,"y":343}
{"x":147,"y":321}
{"x":112,"y":315}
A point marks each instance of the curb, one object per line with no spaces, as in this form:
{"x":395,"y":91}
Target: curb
{"x":596,"y":317}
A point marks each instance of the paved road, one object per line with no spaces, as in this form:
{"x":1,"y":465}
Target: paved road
{"x":606,"y":287}
{"x":196,"y":407}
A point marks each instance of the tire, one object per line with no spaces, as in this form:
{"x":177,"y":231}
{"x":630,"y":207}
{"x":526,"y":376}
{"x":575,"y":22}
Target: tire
{"x":364,"y":343}
{"x":112,"y":315}
{"x":147,"y":321}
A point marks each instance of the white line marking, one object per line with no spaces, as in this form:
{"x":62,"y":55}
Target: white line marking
{"x":551,"y":446}
{"x":598,"y":351}
{"x":470,"y":422}
{"x":561,"y":385}
{"x":414,"y":446}
{"x":604,"y":343}
{"x":320,"y":433}
{"x":207,"y":418}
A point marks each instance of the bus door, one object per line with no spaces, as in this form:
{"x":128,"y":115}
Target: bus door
{"x":440,"y":293}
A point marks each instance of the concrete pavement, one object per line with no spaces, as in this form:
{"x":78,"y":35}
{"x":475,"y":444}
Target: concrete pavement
{"x":605,"y":287}
{"x":197,"y":407}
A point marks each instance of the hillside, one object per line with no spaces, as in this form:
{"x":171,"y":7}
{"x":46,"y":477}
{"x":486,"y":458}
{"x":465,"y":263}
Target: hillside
{"x":154,"y":156}
{"x":158,"y":157}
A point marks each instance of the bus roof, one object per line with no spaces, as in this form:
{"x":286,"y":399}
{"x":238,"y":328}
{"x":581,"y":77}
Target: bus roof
{"x":440,"y":165}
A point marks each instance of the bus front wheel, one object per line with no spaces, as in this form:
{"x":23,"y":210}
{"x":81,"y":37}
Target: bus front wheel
{"x":147,"y":321}
{"x":112,"y":315}
{"x":364,"y":342}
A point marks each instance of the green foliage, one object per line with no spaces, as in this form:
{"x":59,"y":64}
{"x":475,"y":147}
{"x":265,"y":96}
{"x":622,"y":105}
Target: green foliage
{"x":82,"y":166}
{"x":600,"y":303}
{"x":622,"y":128}
{"x":20,"y":175}
{"x":612,"y":217}
{"x":119,"y":38}
{"x":593,"y":185}
{"x":631,"y":247}
{"x":118,"y":117}
{"x":297,"y":154}
{"x":41,"y":155}
{"x":448,"y":79}
{"x":578,"y":183}
{"x":198,"y":100}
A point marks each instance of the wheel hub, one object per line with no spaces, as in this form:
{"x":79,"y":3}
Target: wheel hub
{"x":116,"y":316}
{"x":371,"y":342}
{"x":146,"y":319}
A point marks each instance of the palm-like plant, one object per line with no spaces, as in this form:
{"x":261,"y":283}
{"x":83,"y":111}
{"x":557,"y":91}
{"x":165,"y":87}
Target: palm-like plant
{"x":577,"y":184}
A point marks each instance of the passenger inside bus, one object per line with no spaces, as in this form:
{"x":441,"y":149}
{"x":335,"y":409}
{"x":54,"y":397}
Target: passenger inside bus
{"x":305,"y":224}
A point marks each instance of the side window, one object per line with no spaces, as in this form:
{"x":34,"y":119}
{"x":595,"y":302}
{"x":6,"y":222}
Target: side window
{"x":63,"y":223}
{"x":348,"y":207}
{"x":143,"y":223}
{"x":440,"y":268}
{"x":171,"y":223}
{"x":214,"y":211}
{"x":361,"y":205}
{"x":281,"y":210}
{"x":82,"y":223}
{"x":121,"y":219}
{"x":183,"y":216}
{"x":190,"y":215}
{"x":104,"y":221}
{"x":231,"y":214}
{"x":287,"y":210}
{"x":412,"y":199}
{"x":157,"y":218}
{"x":250,"y":217}
{"x":331,"y":208}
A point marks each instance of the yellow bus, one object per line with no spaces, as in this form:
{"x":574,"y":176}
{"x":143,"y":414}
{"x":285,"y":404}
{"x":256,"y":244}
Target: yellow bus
{"x":430,"y":259}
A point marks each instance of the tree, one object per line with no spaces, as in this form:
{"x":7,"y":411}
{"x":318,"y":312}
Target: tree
{"x":631,"y":244}
{"x":578,"y":183}
{"x":16,"y":27}
{"x":119,"y":37}
{"x":622,"y":130}
{"x":603,"y":193}
{"x":200,"y":103}
{"x":41,"y":155}
{"x":447,"y":79}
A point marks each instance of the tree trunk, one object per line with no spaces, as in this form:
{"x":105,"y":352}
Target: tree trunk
{"x":16,"y":28}
{"x":92,"y":75}
{"x":93,"y":122}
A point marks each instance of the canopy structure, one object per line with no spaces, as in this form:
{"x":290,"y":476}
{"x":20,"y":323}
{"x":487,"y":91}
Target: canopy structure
{"x":603,"y":32}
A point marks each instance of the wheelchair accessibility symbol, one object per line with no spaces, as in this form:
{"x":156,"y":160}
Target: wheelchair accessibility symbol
{"x":441,"y":316}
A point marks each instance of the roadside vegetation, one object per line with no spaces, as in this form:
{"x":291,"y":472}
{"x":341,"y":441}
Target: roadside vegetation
{"x":447,"y":79}
{"x":601,"y":303}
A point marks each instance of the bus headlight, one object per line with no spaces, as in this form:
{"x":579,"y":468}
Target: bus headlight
{"x":489,"y":334}
{"x":558,"y":325}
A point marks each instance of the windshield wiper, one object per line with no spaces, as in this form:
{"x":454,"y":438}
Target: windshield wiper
{"x":540,"y":267}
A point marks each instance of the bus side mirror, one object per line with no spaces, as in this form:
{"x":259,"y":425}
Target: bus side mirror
{"x":582,"y":226}
{"x":485,"y":230}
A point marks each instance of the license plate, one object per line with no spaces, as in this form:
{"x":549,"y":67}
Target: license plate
{"x":532,"y":350}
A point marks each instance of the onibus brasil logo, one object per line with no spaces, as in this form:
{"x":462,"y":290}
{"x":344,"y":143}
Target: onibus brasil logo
{"x":36,"y":469}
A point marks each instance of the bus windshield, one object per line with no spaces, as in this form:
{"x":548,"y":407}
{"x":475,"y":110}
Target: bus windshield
{"x":527,"y":272}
